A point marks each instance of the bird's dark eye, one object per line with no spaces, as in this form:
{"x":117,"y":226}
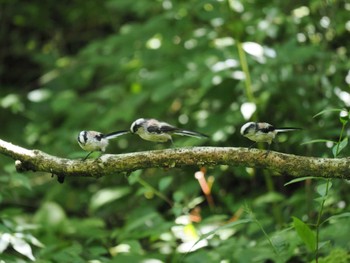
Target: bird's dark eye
{"x":135,"y":127}
{"x":251,"y":127}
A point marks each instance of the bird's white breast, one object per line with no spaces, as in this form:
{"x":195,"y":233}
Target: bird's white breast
{"x":154,"y":137}
{"x":95,"y":145}
{"x":261,"y":136}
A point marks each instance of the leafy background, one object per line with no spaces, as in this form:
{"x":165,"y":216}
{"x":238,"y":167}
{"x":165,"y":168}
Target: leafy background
{"x":204,"y":65}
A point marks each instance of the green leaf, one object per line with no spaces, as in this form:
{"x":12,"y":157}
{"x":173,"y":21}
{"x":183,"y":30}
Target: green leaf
{"x":340,"y":216}
{"x":305,"y":233}
{"x":70,"y":253}
{"x":4,"y":241}
{"x":128,"y":246}
{"x":21,"y":246}
{"x":165,"y":182}
{"x":297,"y":180}
{"x":34,"y":241}
{"x":108,"y":195}
{"x":318,"y":141}
{"x":270,"y":197}
{"x":344,"y":117}
{"x":50,"y":215}
{"x":339,"y":147}
{"x":337,"y":255}
{"x":19,"y":180}
{"x":321,"y":199}
{"x":229,"y":225}
{"x":327,"y":110}
{"x":134,"y":177}
{"x":322,"y":189}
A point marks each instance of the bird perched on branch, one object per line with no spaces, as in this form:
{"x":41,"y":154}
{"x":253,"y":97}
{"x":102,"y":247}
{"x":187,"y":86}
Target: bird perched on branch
{"x":157,"y":131}
{"x":92,"y":141}
{"x":262,"y":132}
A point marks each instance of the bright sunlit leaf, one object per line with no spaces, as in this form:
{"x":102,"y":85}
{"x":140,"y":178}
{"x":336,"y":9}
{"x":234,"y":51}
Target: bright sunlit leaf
{"x":108,"y":195}
{"x":34,"y":241}
{"x":229,"y":225}
{"x":248,"y":109}
{"x":254,"y":49}
{"x":344,"y":117}
{"x":24,"y":249}
{"x":4,"y":241}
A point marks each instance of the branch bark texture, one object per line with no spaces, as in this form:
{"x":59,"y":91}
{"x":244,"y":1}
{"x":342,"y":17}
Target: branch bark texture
{"x":108,"y":164}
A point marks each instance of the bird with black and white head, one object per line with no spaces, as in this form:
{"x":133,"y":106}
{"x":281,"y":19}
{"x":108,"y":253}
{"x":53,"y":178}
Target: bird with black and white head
{"x":92,"y":141}
{"x":158,"y":131}
{"x":262,"y":132}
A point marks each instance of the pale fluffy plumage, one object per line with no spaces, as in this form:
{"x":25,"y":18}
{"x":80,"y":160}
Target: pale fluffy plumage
{"x":92,"y":141}
{"x":262,"y":132}
{"x":157,"y":131}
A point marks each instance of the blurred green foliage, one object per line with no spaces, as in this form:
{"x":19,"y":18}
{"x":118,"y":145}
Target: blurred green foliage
{"x":99,"y":65}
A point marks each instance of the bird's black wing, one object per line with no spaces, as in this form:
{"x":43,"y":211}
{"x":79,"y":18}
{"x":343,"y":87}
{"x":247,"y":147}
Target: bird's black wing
{"x":267,"y":128}
{"x":161,"y":129}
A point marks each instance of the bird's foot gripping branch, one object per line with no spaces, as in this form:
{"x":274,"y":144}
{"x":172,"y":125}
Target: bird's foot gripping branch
{"x":285,"y":164}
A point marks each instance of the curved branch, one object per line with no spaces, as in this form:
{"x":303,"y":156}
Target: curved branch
{"x":107,"y":164}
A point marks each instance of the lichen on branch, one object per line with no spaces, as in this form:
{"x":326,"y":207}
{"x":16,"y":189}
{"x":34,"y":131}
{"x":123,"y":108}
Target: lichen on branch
{"x":108,"y":164}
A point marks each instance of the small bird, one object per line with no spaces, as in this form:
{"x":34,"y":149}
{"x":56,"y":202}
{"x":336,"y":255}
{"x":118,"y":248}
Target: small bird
{"x":92,"y":141}
{"x":156,"y":131}
{"x":262,"y":132}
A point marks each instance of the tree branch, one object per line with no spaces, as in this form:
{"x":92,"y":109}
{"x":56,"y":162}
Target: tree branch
{"x":107,"y":164}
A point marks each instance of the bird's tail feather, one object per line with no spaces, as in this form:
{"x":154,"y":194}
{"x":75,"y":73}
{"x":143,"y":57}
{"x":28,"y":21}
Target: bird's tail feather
{"x":287,"y":129}
{"x":191,"y":134}
{"x":113,"y":135}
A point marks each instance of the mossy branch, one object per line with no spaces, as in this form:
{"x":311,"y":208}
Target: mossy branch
{"x":108,"y":164}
